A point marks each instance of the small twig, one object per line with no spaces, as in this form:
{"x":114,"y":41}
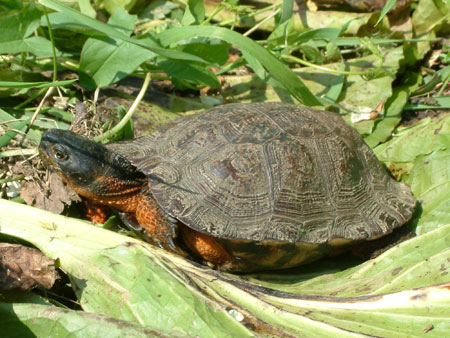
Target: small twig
{"x":38,"y":109}
{"x":18,"y":152}
{"x":94,"y":103}
{"x":259,"y":24}
{"x":250,"y":15}
{"x":11,"y":121}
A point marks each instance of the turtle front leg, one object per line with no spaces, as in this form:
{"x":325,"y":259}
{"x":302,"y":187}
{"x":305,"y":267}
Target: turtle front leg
{"x":159,"y":228}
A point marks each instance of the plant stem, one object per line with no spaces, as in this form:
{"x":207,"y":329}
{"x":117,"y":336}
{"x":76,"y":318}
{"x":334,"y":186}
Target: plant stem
{"x":50,"y":34}
{"x":129,"y":113}
{"x":329,"y":70}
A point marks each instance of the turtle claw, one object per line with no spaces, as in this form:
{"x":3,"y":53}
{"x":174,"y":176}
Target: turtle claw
{"x":171,"y":244}
{"x":130,"y":222}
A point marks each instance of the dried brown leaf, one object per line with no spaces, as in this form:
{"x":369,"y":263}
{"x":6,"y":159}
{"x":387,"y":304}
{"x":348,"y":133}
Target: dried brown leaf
{"x":25,"y":268}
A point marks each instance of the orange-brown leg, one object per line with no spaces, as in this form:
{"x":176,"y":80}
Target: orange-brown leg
{"x":154,"y":221}
{"x":95,"y":212}
{"x":207,"y":247}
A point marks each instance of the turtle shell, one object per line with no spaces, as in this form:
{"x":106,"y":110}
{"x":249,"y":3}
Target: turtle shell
{"x":270,"y":172}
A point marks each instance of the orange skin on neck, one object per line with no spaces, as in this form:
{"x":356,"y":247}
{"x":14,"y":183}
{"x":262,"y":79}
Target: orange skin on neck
{"x":153,"y":220}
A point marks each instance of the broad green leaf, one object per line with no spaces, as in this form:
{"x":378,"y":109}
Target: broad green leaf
{"x":119,"y":276}
{"x":112,"y":5}
{"x":420,"y":139}
{"x":26,"y":320}
{"x":412,"y":264}
{"x":365,"y":95}
{"x":335,"y":89}
{"x":216,"y":53}
{"x":273,"y":66}
{"x":430,"y":15}
{"x":20,"y":25}
{"x":75,"y":17}
{"x":107,"y":61}
{"x":194,"y":13}
{"x":356,"y":93}
{"x":127,"y":279}
{"x":190,"y":72}
{"x":122,"y":21}
{"x":36,"y":45}
{"x":15,"y":29}
{"x":430,"y":183}
{"x":426,"y":148}
{"x":393,"y":111}
{"x":428,"y":18}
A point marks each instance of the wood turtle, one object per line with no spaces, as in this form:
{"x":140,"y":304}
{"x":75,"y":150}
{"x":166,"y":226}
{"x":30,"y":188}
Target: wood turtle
{"x":244,"y":187}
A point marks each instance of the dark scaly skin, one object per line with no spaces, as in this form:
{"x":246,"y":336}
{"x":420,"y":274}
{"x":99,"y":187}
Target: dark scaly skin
{"x":109,"y":179}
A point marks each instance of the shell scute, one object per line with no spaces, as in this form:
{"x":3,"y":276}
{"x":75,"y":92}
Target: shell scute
{"x":271,"y":172}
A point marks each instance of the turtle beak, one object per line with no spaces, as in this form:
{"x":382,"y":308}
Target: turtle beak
{"x":44,"y":149}
{"x":48,"y":141}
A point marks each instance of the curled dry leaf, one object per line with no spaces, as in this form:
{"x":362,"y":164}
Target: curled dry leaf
{"x":25,"y":268}
{"x":52,"y":197}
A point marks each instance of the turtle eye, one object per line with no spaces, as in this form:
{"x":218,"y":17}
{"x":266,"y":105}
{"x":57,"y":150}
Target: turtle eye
{"x":60,"y":153}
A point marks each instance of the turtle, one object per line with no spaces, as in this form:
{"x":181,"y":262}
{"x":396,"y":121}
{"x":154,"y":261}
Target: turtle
{"x":241,"y":187}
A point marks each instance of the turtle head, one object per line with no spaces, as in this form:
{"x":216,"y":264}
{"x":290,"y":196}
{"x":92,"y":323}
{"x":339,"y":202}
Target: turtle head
{"x":89,"y":168}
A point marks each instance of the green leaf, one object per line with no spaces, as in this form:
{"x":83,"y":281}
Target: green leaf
{"x":366,"y":94}
{"x":119,"y":276}
{"x":26,"y":320}
{"x":15,"y":29}
{"x":439,"y":102}
{"x":9,"y":5}
{"x":112,"y":5}
{"x":429,"y":15}
{"x":122,"y":21}
{"x":328,"y":34}
{"x":10,"y":84}
{"x":430,"y":182}
{"x":75,"y":17}
{"x":387,"y":7}
{"x":287,"y":11}
{"x":13,"y":131}
{"x":190,"y":72}
{"x":215,"y":53}
{"x":428,"y":153}
{"x":6,"y":118}
{"x":274,"y":67}
{"x":36,"y":45}
{"x":127,"y":279}
{"x":335,"y":89}
{"x":108,"y":61}
{"x":194,"y":13}
{"x":393,"y":109}
{"x":281,"y":34}
{"x":422,"y":139}
{"x":20,"y":25}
